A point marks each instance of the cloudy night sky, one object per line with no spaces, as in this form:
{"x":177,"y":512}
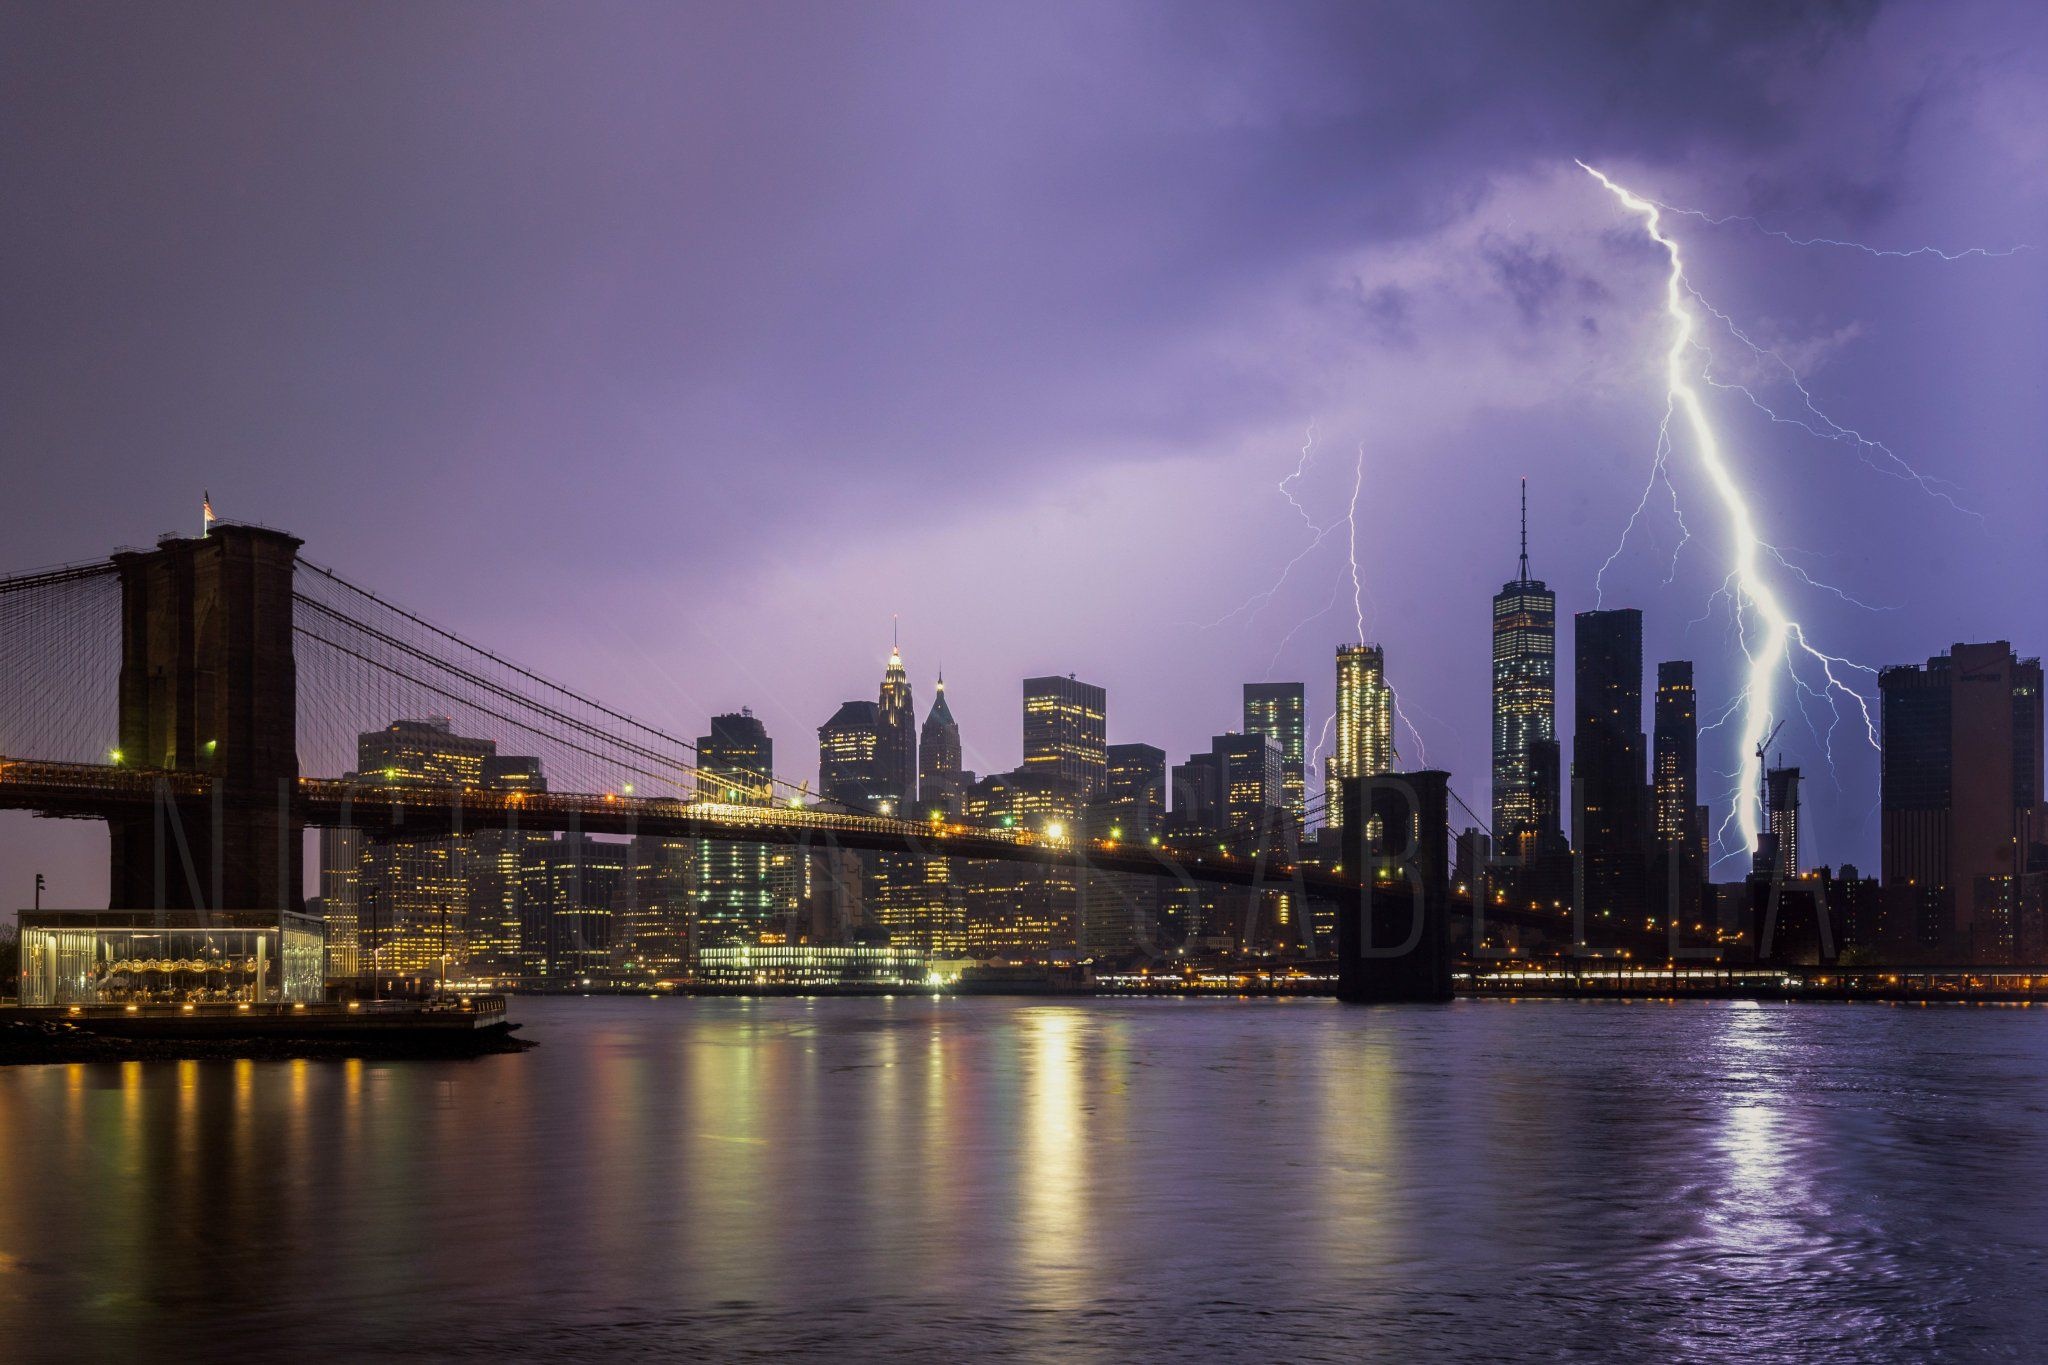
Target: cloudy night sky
{"x":672,"y":349}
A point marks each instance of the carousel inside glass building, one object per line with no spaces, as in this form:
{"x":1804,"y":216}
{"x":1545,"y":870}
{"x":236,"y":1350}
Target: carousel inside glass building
{"x":99,"y":957}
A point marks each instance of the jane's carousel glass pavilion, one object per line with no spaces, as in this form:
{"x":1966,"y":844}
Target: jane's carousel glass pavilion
{"x":179,"y":957}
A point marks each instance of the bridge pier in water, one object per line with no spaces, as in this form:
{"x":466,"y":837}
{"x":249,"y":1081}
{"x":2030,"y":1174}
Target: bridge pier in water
{"x":1394,"y":943}
{"x":208,"y":685}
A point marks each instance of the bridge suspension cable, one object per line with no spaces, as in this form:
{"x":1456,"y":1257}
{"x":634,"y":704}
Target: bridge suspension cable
{"x":394,"y":655}
{"x":60,"y":636}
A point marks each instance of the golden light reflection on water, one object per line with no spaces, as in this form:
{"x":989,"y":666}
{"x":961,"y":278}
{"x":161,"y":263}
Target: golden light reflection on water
{"x":980,"y":1168}
{"x":1053,"y":1157}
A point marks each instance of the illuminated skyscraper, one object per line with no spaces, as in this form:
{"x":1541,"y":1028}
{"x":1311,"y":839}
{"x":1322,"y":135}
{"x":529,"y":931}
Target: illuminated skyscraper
{"x":1064,"y":734}
{"x":941,"y":782}
{"x":1524,"y":702}
{"x":896,"y":736}
{"x":1680,"y":822}
{"x":1365,"y":725}
{"x":847,"y":748}
{"x":740,"y":891}
{"x":420,"y":903}
{"x":1676,"y":758}
{"x":1279,"y":711}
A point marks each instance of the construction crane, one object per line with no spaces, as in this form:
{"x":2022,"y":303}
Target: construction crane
{"x":1763,"y":780}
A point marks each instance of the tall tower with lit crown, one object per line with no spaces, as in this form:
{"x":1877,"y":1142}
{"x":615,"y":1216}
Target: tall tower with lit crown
{"x":1524,"y":703}
{"x":896,"y":749}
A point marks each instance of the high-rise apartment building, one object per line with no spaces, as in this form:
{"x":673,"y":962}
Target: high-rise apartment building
{"x":1364,"y":725}
{"x":1280,"y":711}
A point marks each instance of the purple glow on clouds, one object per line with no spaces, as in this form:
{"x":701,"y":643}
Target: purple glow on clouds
{"x":674,"y":350}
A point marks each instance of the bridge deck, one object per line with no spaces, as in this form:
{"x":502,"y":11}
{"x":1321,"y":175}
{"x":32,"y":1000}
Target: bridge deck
{"x":94,"y":791}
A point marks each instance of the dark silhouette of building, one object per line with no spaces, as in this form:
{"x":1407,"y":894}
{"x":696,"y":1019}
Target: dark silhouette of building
{"x":941,"y":781}
{"x":1611,"y":799}
{"x":1394,"y":945}
{"x":1524,"y":706}
{"x":896,"y":737}
{"x":1280,"y":711}
{"x":1961,"y":797}
{"x":736,"y":761}
{"x":1781,"y":786}
{"x":1064,"y":731}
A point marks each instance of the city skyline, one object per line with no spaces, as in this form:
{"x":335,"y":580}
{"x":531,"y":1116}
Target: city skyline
{"x":1481,"y":313}
{"x":1040,"y":679}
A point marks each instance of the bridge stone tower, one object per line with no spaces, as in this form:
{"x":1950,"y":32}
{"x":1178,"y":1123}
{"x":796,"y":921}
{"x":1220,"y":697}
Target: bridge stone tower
{"x":1406,"y":956}
{"x":208,"y":685}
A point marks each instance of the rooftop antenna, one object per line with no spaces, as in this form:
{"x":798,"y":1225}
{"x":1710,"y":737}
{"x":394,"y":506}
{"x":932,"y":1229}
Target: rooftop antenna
{"x":1525,"y":528}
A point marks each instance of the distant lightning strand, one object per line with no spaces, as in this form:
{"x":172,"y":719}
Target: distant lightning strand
{"x":1937,"y":252}
{"x":1823,"y":425}
{"x":1258,"y":601}
{"x":1351,"y":517}
{"x":1776,"y":634}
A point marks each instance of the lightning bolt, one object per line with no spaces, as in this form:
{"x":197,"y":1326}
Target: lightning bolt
{"x":1258,"y":601}
{"x":1747,"y":220}
{"x":1770,"y":638}
{"x":1351,"y":519}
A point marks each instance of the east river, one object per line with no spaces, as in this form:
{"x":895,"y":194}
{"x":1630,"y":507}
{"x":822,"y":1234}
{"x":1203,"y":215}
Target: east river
{"x":1099,"y":1179}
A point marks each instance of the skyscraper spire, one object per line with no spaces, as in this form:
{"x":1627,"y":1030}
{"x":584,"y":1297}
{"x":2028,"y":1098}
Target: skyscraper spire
{"x":1525,"y":528}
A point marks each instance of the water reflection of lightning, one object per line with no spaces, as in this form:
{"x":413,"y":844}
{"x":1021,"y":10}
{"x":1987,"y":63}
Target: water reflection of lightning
{"x":1771,"y":639}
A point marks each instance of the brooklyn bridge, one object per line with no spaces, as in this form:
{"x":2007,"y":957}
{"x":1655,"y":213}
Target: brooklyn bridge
{"x":202,"y":698}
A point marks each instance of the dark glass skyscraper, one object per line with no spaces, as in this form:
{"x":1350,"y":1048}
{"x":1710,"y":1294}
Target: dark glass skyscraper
{"x":736,"y":761}
{"x":1611,"y":814}
{"x":941,"y":782}
{"x":1524,"y":703}
{"x":1279,"y":711}
{"x":896,"y":736}
{"x":1680,"y":822}
{"x":1676,"y":755}
{"x":1961,"y":793}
